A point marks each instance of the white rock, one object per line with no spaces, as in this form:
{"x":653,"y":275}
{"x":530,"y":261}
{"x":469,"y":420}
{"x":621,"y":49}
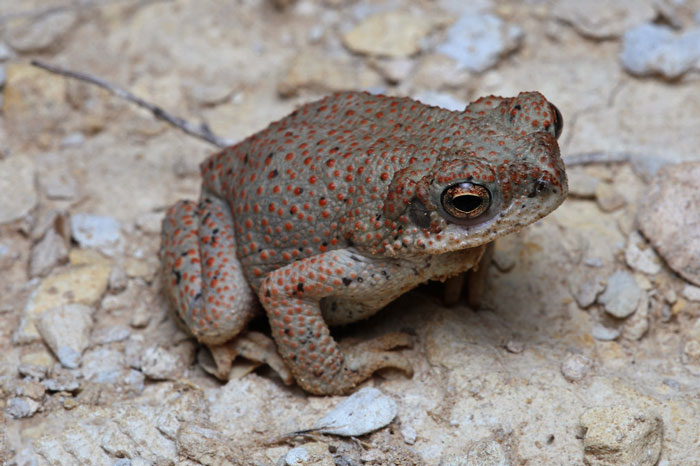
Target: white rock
{"x":362,"y":412}
{"x":668,"y":223}
{"x":409,"y":434}
{"x":478,"y":41}
{"x":621,"y":435}
{"x":588,"y":291}
{"x":640,"y":256}
{"x":575,"y":367}
{"x":111,"y":334}
{"x":47,"y":254}
{"x":17,"y":187}
{"x":66,"y":330}
{"x":621,"y":295}
{"x":159,"y":364}
{"x":637,"y":325}
{"x":62,"y":380}
{"x":94,"y":231}
{"x":691,"y":292}
{"x":20,"y":406}
{"x":652,"y":49}
{"x":603,"y":333}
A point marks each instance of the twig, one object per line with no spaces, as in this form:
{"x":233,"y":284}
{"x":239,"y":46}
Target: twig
{"x":588,"y":158}
{"x":201,"y":131}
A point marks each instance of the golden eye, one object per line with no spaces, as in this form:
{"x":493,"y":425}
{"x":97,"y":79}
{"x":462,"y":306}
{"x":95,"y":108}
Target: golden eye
{"x":466,"y":200}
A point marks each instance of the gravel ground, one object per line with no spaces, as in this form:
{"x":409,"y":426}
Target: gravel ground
{"x":586,"y":349}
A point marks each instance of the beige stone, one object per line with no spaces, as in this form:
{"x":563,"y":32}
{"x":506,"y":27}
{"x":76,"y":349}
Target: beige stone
{"x":393,"y":34}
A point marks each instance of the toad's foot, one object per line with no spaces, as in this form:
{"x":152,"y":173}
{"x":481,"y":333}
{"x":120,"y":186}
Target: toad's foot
{"x":251,"y":345}
{"x":362,"y":359}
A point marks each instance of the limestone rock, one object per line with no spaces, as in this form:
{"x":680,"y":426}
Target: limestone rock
{"x":667,"y":221}
{"x":621,"y":435}
{"x":66,"y":330}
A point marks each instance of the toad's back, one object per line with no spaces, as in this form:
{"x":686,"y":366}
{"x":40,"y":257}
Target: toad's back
{"x":317,"y":179}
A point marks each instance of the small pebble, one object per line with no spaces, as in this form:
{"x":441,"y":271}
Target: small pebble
{"x":19,"y":407}
{"x":61,"y":381}
{"x":141,"y":316}
{"x":602,"y":333}
{"x":409,"y":434}
{"x":36,"y":364}
{"x":66,"y":330}
{"x":588,"y":291}
{"x":362,"y":412}
{"x":30,"y":389}
{"x":111,"y":334}
{"x":656,"y":49}
{"x":608,"y":198}
{"x":478,"y":41}
{"x":691,"y":293}
{"x":117,"y":279}
{"x":640,"y":256}
{"x":95,"y":231}
{"x":514,"y":346}
{"x":621,"y":295}
{"x":48,"y":253}
{"x":159,"y":364}
{"x":575,"y":367}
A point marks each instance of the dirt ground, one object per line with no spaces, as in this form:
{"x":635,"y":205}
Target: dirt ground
{"x":586,"y":349}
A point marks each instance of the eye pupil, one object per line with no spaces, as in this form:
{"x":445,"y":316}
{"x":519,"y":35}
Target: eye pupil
{"x":466,"y":202}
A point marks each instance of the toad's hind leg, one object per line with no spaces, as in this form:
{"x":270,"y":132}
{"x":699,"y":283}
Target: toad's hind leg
{"x":205,"y":282}
{"x":202,"y":274}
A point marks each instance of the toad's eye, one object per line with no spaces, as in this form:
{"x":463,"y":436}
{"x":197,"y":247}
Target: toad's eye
{"x":558,"y":121}
{"x":465,"y":200}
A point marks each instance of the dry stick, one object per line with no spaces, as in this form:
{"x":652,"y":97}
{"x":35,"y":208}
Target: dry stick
{"x":588,"y":158}
{"x":202,"y":131}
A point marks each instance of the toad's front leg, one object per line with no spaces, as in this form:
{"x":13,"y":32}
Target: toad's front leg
{"x":291,"y":296}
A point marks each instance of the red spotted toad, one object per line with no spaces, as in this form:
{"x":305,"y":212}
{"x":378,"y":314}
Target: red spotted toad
{"x":332,"y":212}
